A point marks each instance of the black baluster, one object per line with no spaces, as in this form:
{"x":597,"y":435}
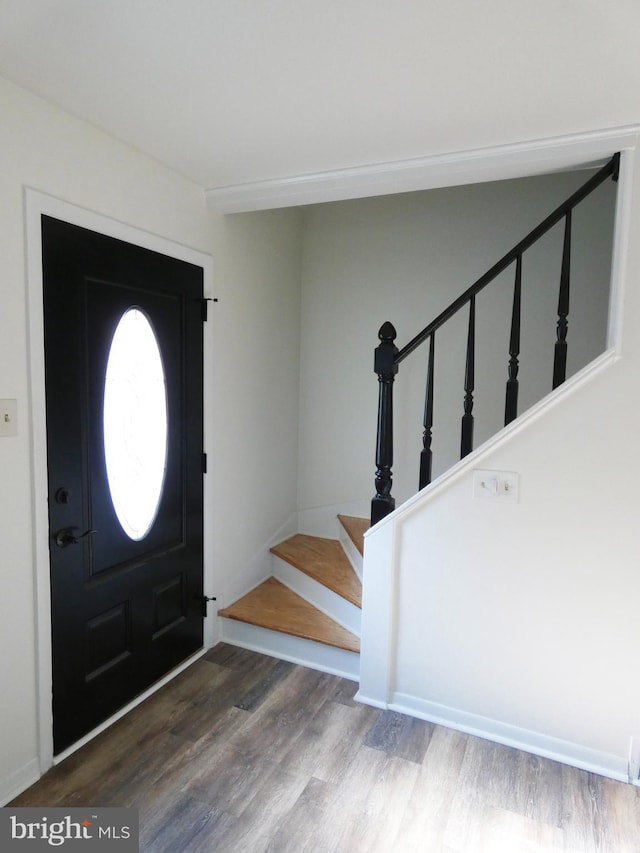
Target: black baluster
{"x":426,"y":454}
{"x":560,"y":353}
{"x":466,"y":440}
{"x":386,"y":368}
{"x":511,"y":398}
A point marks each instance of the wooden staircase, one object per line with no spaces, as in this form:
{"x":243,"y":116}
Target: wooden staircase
{"x":308,"y":610}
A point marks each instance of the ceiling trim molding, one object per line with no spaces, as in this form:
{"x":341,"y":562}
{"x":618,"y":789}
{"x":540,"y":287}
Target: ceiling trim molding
{"x":518,"y":160}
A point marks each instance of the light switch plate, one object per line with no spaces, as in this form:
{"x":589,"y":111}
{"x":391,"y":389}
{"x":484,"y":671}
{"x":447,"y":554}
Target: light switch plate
{"x":8,"y":418}
{"x":501,"y":486}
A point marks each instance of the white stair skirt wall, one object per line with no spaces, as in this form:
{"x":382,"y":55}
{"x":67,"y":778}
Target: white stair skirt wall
{"x":322,"y":598}
{"x":323,"y":520}
{"x":295,"y":649}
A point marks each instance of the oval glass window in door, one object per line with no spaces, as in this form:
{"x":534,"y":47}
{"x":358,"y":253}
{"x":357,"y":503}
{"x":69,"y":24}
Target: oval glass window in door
{"x":135,"y":423}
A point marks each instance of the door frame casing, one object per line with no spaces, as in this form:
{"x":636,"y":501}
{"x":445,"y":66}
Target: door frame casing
{"x":37,"y":204}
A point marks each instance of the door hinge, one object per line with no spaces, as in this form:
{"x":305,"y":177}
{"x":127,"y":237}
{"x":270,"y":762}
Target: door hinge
{"x":205,"y":601}
{"x":205,"y":307}
{"x":204,"y":463}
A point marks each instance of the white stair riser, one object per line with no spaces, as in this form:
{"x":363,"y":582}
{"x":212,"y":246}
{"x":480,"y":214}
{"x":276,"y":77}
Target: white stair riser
{"x":295,"y":649}
{"x":355,"y":557}
{"x":333,"y":605}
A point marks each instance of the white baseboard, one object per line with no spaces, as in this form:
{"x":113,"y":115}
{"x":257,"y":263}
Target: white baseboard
{"x":258,"y":567}
{"x":19,"y":781}
{"x":546,"y":746}
{"x":368,"y":700}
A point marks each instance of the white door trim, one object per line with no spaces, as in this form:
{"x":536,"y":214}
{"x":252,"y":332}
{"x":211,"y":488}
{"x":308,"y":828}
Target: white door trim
{"x":37,"y":204}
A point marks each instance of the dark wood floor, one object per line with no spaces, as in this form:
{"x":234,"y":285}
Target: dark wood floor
{"x":246,"y":753}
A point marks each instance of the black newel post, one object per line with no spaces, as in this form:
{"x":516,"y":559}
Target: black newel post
{"x":386,"y":368}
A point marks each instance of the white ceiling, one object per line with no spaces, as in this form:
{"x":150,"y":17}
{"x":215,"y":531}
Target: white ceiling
{"x":234,"y":91}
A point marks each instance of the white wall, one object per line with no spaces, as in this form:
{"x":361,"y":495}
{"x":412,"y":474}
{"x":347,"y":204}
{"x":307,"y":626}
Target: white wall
{"x":404,"y":258}
{"x":254,"y":349}
{"x":256,"y":375}
{"x":519,"y":621}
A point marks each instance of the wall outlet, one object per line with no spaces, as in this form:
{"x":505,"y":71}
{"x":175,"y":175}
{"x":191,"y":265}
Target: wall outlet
{"x":503,"y":486}
{"x":8,"y":418}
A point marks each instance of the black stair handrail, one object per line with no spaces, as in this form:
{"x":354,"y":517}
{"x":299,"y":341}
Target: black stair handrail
{"x":388,"y":356}
{"x":610,"y":170}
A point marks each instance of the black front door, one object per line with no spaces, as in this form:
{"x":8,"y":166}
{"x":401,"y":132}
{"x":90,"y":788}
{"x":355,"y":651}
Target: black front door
{"x":123,"y":354}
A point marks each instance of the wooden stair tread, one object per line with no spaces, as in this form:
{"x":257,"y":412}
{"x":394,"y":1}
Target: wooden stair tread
{"x":273,"y":605}
{"x":323,"y":560}
{"x":356,"y":528}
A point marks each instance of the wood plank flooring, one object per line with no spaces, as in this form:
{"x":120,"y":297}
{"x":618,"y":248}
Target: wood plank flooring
{"x":247,"y":754}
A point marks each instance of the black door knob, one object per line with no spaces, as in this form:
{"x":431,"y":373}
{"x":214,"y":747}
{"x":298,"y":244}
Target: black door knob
{"x":68,"y":536}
